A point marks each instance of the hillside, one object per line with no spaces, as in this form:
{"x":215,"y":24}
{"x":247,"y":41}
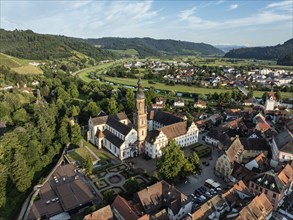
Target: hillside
{"x":262,"y":53}
{"x":29,"y":45}
{"x":151,"y":47}
{"x":227,"y":48}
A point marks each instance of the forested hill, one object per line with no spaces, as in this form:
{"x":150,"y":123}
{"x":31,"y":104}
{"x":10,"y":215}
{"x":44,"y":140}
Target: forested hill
{"x":277,"y":52}
{"x":29,"y":45}
{"x":151,"y":47}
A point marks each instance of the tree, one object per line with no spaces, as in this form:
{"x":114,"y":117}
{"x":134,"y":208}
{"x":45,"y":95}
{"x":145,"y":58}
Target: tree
{"x":173,"y":162}
{"x":278,"y":95}
{"x":112,"y":106}
{"x":20,"y":116}
{"x":88,"y":164}
{"x":109,"y":196}
{"x":131,"y":186}
{"x":264,"y":96}
{"x":75,"y":134}
{"x":63,"y":132}
{"x":93,"y":109}
{"x":3,"y":180}
{"x":20,"y":172}
{"x":194,"y":160}
{"x":129,"y":100}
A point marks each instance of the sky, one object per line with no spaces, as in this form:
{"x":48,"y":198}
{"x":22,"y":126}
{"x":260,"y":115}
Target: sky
{"x":217,"y":22}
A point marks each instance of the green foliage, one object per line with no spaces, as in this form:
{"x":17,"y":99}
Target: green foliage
{"x":30,"y":45}
{"x":109,"y":196}
{"x":88,"y":164}
{"x":75,"y":134}
{"x":173,"y":164}
{"x":131,"y":186}
{"x":93,"y":109}
{"x":281,"y":52}
{"x":151,"y":47}
{"x":129,"y":101}
{"x":112,"y":106}
{"x":194,"y":160}
{"x":287,"y":60}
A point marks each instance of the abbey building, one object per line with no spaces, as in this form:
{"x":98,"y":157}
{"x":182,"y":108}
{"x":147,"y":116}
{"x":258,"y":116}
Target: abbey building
{"x":149,"y":133}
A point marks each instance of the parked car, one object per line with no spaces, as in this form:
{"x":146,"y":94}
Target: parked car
{"x":203,"y":189}
{"x":197,"y":193}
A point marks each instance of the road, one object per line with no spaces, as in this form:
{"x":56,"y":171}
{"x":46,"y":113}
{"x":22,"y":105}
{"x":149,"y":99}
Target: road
{"x":196,"y":181}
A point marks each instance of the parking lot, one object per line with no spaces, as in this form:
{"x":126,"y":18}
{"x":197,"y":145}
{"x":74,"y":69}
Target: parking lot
{"x":196,"y":181}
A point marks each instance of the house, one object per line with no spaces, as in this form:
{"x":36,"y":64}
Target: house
{"x":240,"y":150}
{"x":282,"y":146}
{"x":159,"y":103}
{"x":115,"y":133}
{"x":104,"y":213}
{"x":179,"y":102}
{"x":261,"y":124}
{"x":212,"y":209}
{"x":216,"y":119}
{"x":218,"y":138}
{"x":184,"y":133}
{"x":122,"y":209}
{"x":274,"y":185}
{"x":252,"y":147}
{"x":163,"y":197}
{"x":224,"y":164}
{"x":259,"y":208}
{"x":200,"y":104}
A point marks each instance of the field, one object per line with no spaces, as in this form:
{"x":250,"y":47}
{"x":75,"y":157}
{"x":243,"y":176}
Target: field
{"x":160,"y":86}
{"x":20,"y":66}
{"x":128,"y":52}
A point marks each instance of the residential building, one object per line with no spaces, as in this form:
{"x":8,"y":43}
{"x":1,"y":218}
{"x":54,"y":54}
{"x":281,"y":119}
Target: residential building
{"x":122,"y":209}
{"x":179,"y":102}
{"x":200,"y":104}
{"x":274,"y":185}
{"x":282,"y":146}
{"x":259,"y":208}
{"x":104,"y":213}
{"x":163,"y":197}
{"x":224,"y":164}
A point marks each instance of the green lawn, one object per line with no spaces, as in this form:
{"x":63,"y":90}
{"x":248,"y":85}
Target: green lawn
{"x":79,"y":154}
{"x":99,"y":153}
{"x":161,"y":86}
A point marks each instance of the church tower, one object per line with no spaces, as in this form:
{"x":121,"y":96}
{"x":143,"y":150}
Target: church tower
{"x":270,"y":101}
{"x":140,"y":117}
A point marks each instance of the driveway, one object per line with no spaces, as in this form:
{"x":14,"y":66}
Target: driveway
{"x":139,"y":162}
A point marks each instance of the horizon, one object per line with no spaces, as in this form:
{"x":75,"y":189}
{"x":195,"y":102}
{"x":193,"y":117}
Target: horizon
{"x":218,"y":22}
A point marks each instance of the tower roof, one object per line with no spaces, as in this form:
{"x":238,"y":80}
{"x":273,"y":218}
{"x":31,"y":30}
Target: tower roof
{"x":140,"y":92}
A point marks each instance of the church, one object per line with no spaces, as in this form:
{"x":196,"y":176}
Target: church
{"x":149,"y":133}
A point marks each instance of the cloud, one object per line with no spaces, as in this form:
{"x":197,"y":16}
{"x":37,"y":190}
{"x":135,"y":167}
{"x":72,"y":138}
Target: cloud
{"x":233,"y":7}
{"x":282,"y":5}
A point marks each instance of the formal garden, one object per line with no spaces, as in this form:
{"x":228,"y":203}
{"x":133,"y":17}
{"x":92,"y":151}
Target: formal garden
{"x":120,"y":179}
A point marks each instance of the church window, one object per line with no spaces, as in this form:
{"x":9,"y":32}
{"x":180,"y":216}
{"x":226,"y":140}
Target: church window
{"x":142,"y":132}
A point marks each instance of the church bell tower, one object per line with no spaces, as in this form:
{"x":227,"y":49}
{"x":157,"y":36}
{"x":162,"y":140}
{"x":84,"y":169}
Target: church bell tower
{"x":140,"y":117}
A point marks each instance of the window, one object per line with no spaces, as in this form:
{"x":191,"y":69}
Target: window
{"x":252,"y":185}
{"x":256,"y":187}
{"x":274,"y":195}
{"x":142,"y":132}
{"x":260,"y":189}
{"x":266,"y":191}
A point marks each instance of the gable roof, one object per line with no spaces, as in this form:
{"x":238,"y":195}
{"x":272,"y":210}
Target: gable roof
{"x":124,"y":209}
{"x":175,"y":130}
{"x":118,"y":126}
{"x":152,"y":135}
{"x":164,"y":118}
{"x":234,"y":149}
{"x":270,"y":181}
{"x":161,"y":194}
{"x":259,"y":208}
{"x":113,"y":138}
{"x":284,"y":141}
{"x":259,"y":144}
{"x":104,"y":213}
